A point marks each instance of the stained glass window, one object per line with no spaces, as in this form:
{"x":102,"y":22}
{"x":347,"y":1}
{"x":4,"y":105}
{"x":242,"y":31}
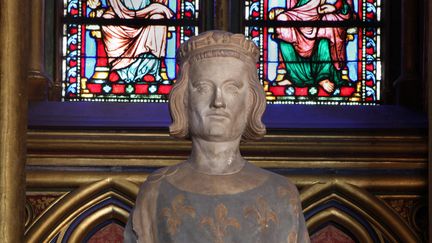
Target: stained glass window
{"x":318,"y":51}
{"x":123,"y":50}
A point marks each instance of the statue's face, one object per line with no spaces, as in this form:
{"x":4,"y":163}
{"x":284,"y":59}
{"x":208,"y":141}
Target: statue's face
{"x":218,"y":104}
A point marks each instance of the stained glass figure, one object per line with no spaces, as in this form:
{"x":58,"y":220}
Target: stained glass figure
{"x":318,"y":51}
{"x":123,"y":50}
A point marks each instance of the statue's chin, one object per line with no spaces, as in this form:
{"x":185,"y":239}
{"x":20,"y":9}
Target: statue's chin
{"x":217,"y":134}
{"x":217,"y":131}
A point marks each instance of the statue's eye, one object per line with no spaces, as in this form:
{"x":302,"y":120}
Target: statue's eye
{"x":232,"y":88}
{"x":203,"y":87}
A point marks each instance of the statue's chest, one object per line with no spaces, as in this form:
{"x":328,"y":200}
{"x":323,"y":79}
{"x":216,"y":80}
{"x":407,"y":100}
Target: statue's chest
{"x":264,"y":214}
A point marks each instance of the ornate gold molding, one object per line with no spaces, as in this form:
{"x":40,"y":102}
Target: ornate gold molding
{"x":38,"y":203}
{"x":124,"y":156}
{"x":383,"y":219}
{"x":13,"y":116}
{"x":37,"y":80}
{"x":337,"y":216}
{"x":92,"y":191}
{"x":106,"y":213}
{"x":154,"y":149}
{"x":58,"y":218}
{"x":411,"y":208}
{"x":74,"y":179}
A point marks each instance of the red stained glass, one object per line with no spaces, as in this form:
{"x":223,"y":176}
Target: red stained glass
{"x":315,"y":51}
{"x":114,"y":50}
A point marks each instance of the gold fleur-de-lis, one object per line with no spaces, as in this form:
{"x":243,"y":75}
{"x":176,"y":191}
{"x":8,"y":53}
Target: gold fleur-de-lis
{"x":291,"y":195}
{"x":174,"y":214}
{"x":282,"y":191}
{"x":219,"y":224}
{"x":262,"y":212}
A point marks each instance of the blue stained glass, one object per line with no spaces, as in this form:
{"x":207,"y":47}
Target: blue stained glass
{"x":107,"y":60}
{"x":315,"y":62}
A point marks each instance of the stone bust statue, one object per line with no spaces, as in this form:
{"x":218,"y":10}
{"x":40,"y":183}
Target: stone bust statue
{"x":216,"y":195}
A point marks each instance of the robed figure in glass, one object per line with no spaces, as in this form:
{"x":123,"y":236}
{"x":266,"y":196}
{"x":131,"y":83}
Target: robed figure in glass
{"x":313,"y":55}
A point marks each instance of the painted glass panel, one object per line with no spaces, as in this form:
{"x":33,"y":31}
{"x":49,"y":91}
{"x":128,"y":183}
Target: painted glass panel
{"x":318,"y":51}
{"x":123,"y":50}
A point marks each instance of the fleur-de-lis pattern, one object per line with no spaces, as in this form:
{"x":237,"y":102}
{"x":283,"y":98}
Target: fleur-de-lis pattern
{"x":175,"y":214}
{"x":219,"y":224}
{"x":284,"y":192}
{"x":270,"y":212}
{"x":292,"y":236}
{"x":262,"y":213}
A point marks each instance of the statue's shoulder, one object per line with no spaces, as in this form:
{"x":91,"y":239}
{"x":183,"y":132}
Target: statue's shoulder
{"x":149,"y":190}
{"x":162,"y":173}
{"x":282,"y":183}
{"x":146,"y":202}
{"x":284,"y":187}
{"x":275,"y":180}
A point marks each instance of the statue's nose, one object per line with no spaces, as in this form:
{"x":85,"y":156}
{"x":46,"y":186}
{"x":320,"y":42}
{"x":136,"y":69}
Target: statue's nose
{"x":218,"y":100}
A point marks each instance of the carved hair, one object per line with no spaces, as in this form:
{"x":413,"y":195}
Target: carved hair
{"x":217,"y":44}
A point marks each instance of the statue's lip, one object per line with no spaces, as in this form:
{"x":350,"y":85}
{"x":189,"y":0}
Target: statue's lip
{"x":218,"y":114}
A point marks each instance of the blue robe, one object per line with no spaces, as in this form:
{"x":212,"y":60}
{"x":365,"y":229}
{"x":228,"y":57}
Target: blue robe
{"x":250,"y":206}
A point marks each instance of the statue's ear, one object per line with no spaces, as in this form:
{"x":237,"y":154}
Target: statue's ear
{"x":251,"y":101}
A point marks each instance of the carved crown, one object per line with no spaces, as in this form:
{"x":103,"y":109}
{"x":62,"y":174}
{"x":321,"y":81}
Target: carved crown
{"x":218,"y":40}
